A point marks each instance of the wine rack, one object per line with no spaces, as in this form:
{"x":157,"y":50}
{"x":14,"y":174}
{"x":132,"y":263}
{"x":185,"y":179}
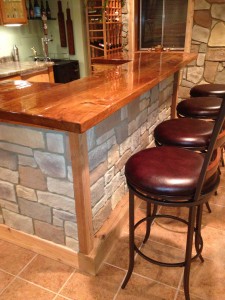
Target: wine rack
{"x":104,"y":26}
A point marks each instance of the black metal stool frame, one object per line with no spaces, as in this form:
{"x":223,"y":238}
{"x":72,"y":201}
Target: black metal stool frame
{"x":194,"y":204}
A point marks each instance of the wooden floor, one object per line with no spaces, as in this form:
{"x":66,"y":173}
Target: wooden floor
{"x":25,"y":275}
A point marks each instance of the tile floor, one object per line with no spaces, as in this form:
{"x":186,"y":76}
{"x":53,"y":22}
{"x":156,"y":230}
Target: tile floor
{"x":25,"y":275}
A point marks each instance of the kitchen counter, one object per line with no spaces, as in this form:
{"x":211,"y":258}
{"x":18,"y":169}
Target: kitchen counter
{"x":80,"y":105}
{"x":22,"y":68}
{"x":63,"y":149}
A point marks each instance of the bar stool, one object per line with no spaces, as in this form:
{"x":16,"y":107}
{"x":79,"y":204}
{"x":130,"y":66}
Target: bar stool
{"x":210,"y":89}
{"x":174,"y":177}
{"x":199,"y":107}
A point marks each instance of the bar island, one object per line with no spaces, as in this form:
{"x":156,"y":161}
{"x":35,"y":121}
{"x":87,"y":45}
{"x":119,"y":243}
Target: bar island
{"x":63,"y":149}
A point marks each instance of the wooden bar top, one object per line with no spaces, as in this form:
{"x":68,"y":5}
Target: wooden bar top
{"x":79,"y":105}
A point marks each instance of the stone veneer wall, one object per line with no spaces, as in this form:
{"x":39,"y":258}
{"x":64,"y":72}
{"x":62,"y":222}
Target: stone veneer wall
{"x":115,"y":139}
{"x":208,"y":40}
{"x":36,"y":190}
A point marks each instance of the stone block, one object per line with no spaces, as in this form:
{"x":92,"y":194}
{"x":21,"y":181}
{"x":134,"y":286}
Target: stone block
{"x":203,"y":18}
{"x":35,"y":210}
{"x":97,"y":156}
{"x":58,"y":222}
{"x":124,"y":113}
{"x":99,"y":205}
{"x":142,"y":118}
{"x":22,"y":136}
{"x":132,"y":127}
{"x":203,"y":48}
{"x":220,"y":77}
{"x":210,"y":71}
{"x":91,"y":138}
{"x":26,"y":193}
{"x":201,"y":59}
{"x":51,"y":164}
{"x":155,"y":94}
{"x":104,"y":137}
{"x":135,"y":140}
{"x":113,"y":185}
{"x":69,"y":173}
{"x":200,"y":34}
{"x":60,"y":186}
{"x":7,"y":191}
{"x":71,"y":229}
{"x":63,"y":215}
{"x":9,"y":175}
{"x":187,"y":84}
{"x":218,"y":11}
{"x":184,"y":92}
{"x":49,"y":232}
{"x":97,"y":191}
{"x":117,"y":195}
{"x":121,"y":131}
{"x":55,"y":142}
{"x":72,"y":244}
{"x":98,"y":172}
{"x":27,"y":161}
{"x":56,"y":201}
{"x":133,"y":110}
{"x":108,"y":124}
{"x":201,"y":4}
{"x":16,"y":148}
{"x":126,"y":145}
{"x":109,"y":175}
{"x":101,"y":216}
{"x":113,"y":155}
{"x":145,"y":103}
{"x":9,"y":205}
{"x":144,"y":140}
{"x":32,"y":178}
{"x":217,"y":37}
{"x":195,"y":74}
{"x":18,"y":222}
{"x":8,"y":160}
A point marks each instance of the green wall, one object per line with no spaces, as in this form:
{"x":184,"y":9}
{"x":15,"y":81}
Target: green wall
{"x":30,"y":35}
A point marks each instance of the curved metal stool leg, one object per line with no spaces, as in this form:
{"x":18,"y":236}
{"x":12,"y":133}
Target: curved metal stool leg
{"x":131,"y":239}
{"x":198,"y":238}
{"x":208,"y":207}
{"x":188,"y":254}
{"x":149,"y":222}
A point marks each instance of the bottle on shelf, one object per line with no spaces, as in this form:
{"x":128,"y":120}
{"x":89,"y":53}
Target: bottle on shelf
{"x":37,"y":10}
{"x":30,"y":10}
{"x":43,"y":11}
{"x":48,"y":11}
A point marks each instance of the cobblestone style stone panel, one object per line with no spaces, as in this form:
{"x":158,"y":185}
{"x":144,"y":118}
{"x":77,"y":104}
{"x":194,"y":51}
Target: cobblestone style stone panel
{"x":9,"y":175}
{"x":7,"y":191}
{"x":32,"y":178}
{"x":8,"y":160}
{"x":26,"y":193}
{"x":56,"y":201}
{"x":218,"y":11}
{"x":27,"y":161}
{"x":9,"y":205}
{"x":18,"y":222}
{"x":201,"y":4}
{"x":55,"y":142}
{"x":35,"y":210}
{"x":220,"y":77}
{"x":215,"y":54}
{"x":60,"y":187}
{"x":200,"y":34}
{"x":22,"y":136}
{"x":217,"y":37}
{"x":71,"y":229}
{"x":16,"y":148}
{"x":210,"y":71}
{"x":203,"y":18}
{"x":52,"y":165}
{"x":49,"y":232}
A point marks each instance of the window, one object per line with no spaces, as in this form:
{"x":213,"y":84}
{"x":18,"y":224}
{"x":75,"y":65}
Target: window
{"x":163,"y":22}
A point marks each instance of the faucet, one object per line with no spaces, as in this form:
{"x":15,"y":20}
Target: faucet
{"x":45,"y":40}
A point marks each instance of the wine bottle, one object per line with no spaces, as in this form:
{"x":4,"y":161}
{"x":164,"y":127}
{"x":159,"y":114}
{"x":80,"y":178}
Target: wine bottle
{"x":31,"y":10}
{"x":48,"y":11}
{"x":43,"y":12}
{"x":37,"y":10}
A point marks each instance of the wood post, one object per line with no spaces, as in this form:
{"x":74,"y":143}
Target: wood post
{"x":81,"y":180}
{"x":176,"y":84}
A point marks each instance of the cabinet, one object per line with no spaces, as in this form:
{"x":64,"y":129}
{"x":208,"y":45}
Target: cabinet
{"x":13,"y":12}
{"x":104,"y":27}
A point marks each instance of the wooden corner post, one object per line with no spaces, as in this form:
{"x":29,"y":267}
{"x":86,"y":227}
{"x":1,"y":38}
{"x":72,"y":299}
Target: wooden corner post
{"x":81,"y":180}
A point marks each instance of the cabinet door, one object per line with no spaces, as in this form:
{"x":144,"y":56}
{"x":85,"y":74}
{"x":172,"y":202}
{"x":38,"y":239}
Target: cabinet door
{"x":13,"y":12}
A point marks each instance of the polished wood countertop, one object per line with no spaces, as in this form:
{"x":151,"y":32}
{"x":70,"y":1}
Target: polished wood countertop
{"x":12,"y":68}
{"x":79,"y":105}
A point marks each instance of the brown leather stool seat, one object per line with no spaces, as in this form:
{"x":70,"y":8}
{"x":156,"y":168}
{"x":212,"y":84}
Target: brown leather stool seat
{"x":199,"y":107}
{"x":211,"y":89}
{"x":186,"y":133}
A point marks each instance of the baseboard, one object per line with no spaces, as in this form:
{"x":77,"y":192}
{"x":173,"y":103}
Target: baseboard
{"x":103,"y":241}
